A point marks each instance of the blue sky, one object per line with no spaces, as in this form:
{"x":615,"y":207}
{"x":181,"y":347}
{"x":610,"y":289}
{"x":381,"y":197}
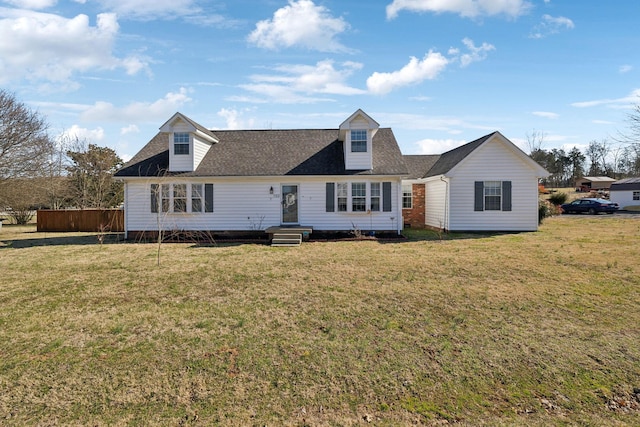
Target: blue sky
{"x":439,"y":72}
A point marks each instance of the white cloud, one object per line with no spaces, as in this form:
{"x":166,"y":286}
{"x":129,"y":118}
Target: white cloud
{"x":551,"y":25}
{"x":129,"y":129}
{"x":301,"y":24}
{"x":92,"y":136}
{"x":438,"y":146}
{"x":414,"y":72}
{"x":546,"y":114}
{"x":474,"y":54}
{"x":625,"y":69}
{"x":234,"y":119}
{"x":625,"y":102}
{"x":151,"y":9}
{"x":294,"y":83}
{"x":139,"y":112}
{"x":465,"y":8}
{"x":43,"y":47}
{"x":603,"y":122}
{"x":32,"y":4}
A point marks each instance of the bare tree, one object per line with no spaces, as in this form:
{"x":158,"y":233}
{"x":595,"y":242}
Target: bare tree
{"x":25,"y":146}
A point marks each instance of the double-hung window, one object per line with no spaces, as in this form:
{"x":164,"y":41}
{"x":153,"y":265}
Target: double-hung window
{"x":492,"y":195}
{"x":358,"y":196}
{"x":179,"y":197}
{"x":196,"y":197}
{"x":359,"y":141}
{"x":407,"y":196}
{"x":375,"y":197}
{"x":636,"y":195}
{"x":342,"y":193}
{"x":180,"y":143}
{"x":352,"y":197}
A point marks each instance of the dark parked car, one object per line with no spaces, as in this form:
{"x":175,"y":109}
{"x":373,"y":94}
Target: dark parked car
{"x":590,"y":205}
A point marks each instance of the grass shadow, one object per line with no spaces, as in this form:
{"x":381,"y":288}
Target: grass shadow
{"x":61,"y":240}
{"x":417,"y":235}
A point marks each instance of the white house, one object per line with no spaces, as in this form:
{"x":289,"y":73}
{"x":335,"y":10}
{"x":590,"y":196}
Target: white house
{"x":625,"y":192}
{"x":189,"y":178}
{"x":486,"y":185}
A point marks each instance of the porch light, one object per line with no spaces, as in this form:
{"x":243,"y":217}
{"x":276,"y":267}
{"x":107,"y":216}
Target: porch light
{"x":271,"y":190}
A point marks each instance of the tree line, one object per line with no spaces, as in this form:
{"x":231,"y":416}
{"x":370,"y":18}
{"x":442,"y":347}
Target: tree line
{"x":38,"y":171}
{"x":619,"y":158}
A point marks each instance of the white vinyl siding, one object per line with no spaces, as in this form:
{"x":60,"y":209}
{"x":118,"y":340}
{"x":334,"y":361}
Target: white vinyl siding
{"x":625,"y":197}
{"x":436,"y":203}
{"x":180,"y":162}
{"x":248,"y":205}
{"x":506,"y":165}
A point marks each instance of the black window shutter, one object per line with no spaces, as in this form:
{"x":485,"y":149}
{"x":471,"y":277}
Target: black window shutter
{"x":208,"y":197}
{"x":154,"y":198}
{"x":478,"y":204}
{"x":506,"y":195}
{"x":386,"y":197}
{"x":330,"y":194}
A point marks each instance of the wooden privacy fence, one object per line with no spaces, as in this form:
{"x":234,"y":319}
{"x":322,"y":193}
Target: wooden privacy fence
{"x":105,"y":220}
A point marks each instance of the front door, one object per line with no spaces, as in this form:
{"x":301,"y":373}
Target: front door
{"x":289,"y":204}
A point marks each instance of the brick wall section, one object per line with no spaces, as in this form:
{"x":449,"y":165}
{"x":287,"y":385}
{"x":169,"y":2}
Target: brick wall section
{"x":415,"y":216}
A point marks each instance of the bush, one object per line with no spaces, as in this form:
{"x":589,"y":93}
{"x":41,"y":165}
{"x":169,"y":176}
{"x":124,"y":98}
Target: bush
{"x":558,"y":198}
{"x":547,"y":209}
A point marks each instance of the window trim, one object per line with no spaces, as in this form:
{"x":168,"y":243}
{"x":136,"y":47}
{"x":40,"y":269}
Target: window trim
{"x":481,"y":194}
{"x":359,"y":195}
{"x":165,"y":198}
{"x":359,"y":145}
{"x":339,"y":197}
{"x":375,"y":195}
{"x":180,"y":146}
{"x":342,"y":196}
{"x":407,"y":195}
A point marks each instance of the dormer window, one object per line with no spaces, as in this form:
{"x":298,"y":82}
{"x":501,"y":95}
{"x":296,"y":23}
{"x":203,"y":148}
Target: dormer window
{"x":359,"y":141}
{"x":180,"y":143}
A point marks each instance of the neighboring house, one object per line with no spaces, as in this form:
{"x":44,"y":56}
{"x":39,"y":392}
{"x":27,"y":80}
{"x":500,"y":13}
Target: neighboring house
{"x":189,"y":178}
{"x":594,"y":183}
{"x":625,"y":192}
{"x":486,"y":185}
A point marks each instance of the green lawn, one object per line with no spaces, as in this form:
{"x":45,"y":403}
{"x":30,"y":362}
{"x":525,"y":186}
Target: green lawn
{"x":488,"y":329}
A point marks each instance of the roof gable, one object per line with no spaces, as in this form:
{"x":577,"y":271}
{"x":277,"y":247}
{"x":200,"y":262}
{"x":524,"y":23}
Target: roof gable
{"x":188,"y":125}
{"x":453,"y":159}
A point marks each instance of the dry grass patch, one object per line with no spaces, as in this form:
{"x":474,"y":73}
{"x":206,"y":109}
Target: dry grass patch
{"x":497,"y":329}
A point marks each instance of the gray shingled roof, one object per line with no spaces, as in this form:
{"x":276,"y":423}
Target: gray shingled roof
{"x":419,"y":164}
{"x":271,"y":153}
{"x":626,"y":184}
{"x":451,"y":158}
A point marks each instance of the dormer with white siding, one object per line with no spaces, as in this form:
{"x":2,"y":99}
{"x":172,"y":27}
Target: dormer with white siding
{"x":188,"y":143}
{"x":357,"y":134}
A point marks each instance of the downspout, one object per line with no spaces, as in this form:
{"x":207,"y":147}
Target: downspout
{"x":446,"y":203}
{"x":124,"y":207}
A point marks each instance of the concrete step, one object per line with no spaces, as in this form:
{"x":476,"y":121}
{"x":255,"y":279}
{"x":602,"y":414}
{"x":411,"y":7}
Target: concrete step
{"x":286,"y":239}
